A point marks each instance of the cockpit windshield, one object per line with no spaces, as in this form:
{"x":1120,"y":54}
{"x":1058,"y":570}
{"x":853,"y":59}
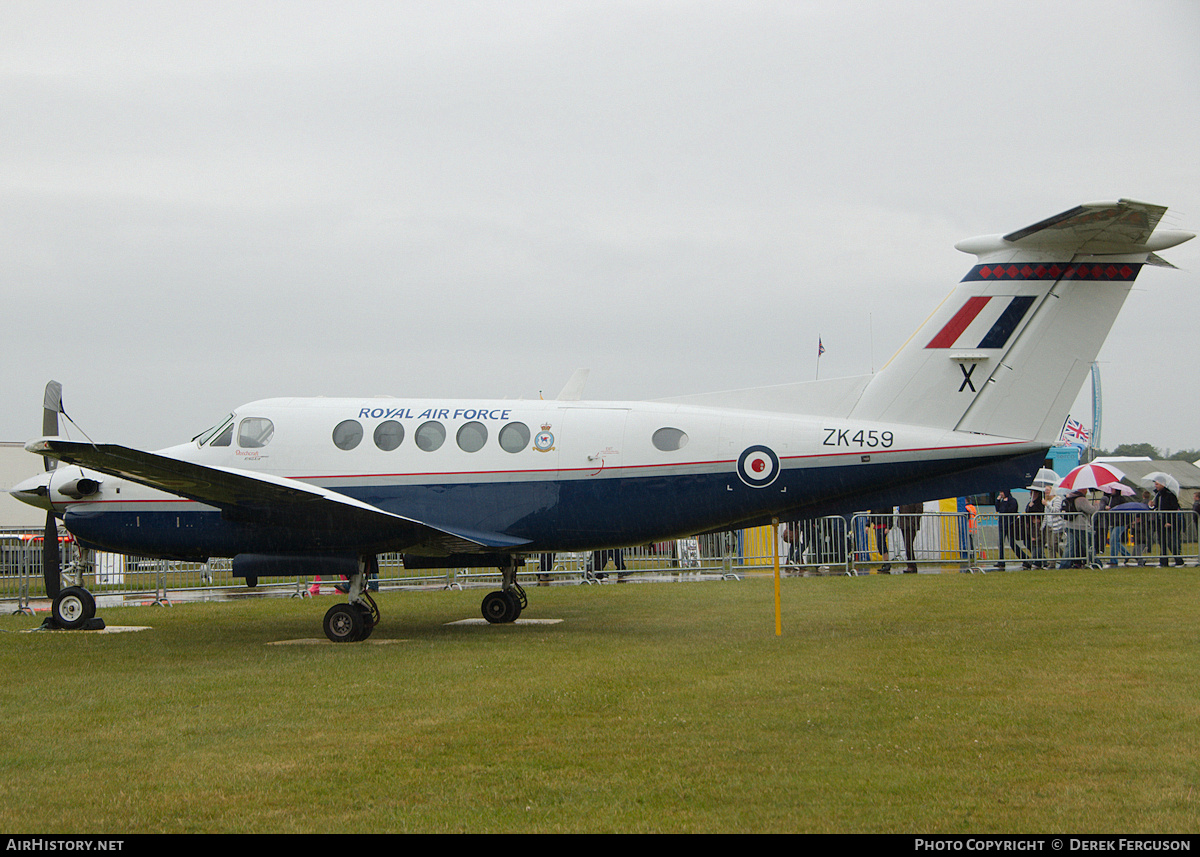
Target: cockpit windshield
{"x":207,"y":435}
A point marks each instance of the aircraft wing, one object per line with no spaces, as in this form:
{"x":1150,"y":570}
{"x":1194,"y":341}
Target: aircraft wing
{"x":265,"y":499}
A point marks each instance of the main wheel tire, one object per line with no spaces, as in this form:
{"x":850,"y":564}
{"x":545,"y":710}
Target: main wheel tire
{"x":343,"y":623}
{"x":498,"y":607}
{"x":73,"y":607}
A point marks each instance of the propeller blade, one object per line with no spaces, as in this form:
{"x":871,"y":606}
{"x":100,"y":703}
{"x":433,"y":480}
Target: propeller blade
{"x":51,"y":564}
{"x":51,"y":408}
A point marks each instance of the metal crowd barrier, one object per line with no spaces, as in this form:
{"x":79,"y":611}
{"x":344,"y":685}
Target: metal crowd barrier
{"x":867,"y":542}
{"x":1143,"y":538}
{"x":1109,"y":538}
{"x":881,"y":543}
{"x":928,"y":541}
{"x":993,"y":541}
{"x":159,"y":581}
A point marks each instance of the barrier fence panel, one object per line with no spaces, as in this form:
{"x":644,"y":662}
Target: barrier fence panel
{"x":21,"y":566}
{"x":812,"y":546}
{"x":925,"y":541}
{"x":1076,"y":540}
{"x":1142,"y":538}
{"x":819,"y":545}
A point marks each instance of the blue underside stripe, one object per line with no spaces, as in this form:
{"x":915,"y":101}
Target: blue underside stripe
{"x":565,"y":515}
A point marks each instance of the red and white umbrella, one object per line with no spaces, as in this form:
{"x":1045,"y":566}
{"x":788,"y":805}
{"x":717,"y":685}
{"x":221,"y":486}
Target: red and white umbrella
{"x":1091,"y":476}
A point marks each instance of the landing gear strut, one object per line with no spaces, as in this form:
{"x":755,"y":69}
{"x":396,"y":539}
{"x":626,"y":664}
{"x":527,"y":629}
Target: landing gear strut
{"x":505,"y":605}
{"x":354,"y":622}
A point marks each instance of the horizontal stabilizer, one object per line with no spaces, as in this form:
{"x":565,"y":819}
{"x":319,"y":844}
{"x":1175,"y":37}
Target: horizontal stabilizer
{"x":1125,"y":223}
{"x":1117,"y":228}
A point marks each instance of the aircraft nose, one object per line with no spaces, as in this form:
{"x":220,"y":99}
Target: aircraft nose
{"x":35,"y":491}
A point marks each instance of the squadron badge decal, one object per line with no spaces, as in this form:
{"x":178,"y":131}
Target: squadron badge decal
{"x":543,"y":441}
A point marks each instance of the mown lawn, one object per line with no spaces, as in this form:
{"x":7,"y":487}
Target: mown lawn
{"x":1039,"y":701}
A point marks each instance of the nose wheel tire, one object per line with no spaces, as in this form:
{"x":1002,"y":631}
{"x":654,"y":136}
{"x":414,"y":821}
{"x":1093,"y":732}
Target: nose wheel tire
{"x":73,"y":607}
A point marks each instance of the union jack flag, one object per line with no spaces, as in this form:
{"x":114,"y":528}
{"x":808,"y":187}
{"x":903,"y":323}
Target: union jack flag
{"x":1074,"y":431}
{"x":820,"y":347}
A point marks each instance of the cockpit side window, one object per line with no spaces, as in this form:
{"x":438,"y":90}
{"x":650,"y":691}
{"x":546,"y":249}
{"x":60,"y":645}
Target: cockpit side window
{"x":224,"y":438}
{"x":255,"y":432}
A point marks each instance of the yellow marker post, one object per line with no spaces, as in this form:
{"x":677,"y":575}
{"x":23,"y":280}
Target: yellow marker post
{"x":775,"y":563}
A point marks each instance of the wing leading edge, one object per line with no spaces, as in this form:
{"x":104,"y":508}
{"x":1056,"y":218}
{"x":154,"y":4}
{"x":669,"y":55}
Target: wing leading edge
{"x":268,"y":500}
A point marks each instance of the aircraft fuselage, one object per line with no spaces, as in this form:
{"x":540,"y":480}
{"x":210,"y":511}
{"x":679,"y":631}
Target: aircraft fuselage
{"x":549,"y":475}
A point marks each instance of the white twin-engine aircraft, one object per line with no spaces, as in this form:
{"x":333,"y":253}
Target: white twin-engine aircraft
{"x":321,"y":486}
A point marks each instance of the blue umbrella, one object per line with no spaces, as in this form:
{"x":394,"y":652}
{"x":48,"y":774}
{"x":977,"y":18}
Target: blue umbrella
{"x":1130,"y":507}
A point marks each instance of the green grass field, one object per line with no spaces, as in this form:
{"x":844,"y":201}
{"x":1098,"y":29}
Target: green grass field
{"x":1020,"y":702}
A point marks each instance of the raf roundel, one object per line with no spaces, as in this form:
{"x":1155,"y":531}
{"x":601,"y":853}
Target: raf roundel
{"x":758,"y":466}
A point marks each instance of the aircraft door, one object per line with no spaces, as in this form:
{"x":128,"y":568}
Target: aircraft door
{"x":592,"y":439}
{"x":591,"y":447}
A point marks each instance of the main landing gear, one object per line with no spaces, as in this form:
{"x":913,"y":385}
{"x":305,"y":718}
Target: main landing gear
{"x":353,"y":622}
{"x":505,"y":605}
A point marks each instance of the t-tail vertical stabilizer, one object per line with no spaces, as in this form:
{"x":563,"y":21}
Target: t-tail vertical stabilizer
{"x":1007,"y":353}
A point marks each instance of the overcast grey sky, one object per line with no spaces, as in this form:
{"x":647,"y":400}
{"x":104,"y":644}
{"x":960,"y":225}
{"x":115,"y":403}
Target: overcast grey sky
{"x":202,"y":204}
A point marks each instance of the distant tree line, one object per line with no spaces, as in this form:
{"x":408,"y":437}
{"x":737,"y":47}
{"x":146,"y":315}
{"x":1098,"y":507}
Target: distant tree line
{"x":1151,"y":451}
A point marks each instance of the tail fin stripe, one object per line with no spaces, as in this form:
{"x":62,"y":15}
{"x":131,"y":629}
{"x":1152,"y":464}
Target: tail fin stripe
{"x":948,"y":335}
{"x":1007,"y":323}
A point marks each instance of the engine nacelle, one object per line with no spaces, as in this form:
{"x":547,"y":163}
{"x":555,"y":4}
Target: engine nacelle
{"x":79,"y":488}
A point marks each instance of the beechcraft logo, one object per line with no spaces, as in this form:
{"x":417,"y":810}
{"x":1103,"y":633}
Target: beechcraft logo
{"x":983,"y":322}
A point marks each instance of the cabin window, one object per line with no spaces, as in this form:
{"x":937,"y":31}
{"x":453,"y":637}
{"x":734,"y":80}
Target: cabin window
{"x":514,"y":437}
{"x":472,"y":436}
{"x":670,"y":439}
{"x":255,"y":432}
{"x":389,"y":435}
{"x":347,"y":434}
{"x":430,"y":435}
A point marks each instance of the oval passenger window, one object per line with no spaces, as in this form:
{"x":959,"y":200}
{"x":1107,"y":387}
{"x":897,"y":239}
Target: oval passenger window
{"x":430,"y":435}
{"x":514,"y":437}
{"x":389,"y":435}
{"x":347,"y":434}
{"x":669,"y":439}
{"x":472,"y":436}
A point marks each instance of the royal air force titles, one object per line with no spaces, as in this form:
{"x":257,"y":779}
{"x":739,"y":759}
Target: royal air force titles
{"x":434,"y":414}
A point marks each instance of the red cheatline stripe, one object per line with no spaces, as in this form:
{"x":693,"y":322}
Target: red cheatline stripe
{"x":949,"y":334}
